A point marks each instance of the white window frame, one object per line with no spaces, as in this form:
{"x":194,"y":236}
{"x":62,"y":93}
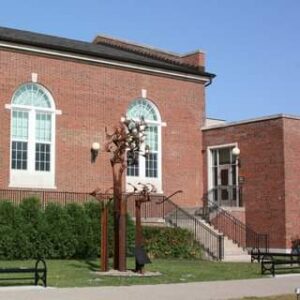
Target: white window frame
{"x":31,"y":178}
{"x":210,"y":162}
{"x":156,"y":181}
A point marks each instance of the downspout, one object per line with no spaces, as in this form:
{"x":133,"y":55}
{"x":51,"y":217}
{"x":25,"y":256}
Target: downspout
{"x":210,"y":80}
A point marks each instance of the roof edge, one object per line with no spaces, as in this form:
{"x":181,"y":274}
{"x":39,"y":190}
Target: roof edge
{"x":253,"y":120}
{"x":141,"y":45}
{"x":50,"y":42}
{"x":157,"y":53}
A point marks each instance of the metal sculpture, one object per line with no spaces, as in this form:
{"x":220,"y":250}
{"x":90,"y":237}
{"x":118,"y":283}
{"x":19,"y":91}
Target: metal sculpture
{"x":126,"y":138}
{"x":141,"y":196}
{"x":104,"y":199}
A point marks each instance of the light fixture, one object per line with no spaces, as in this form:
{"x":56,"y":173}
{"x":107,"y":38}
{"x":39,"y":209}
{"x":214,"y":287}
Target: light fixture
{"x":94,"y":151}
{"x":236,"y":151}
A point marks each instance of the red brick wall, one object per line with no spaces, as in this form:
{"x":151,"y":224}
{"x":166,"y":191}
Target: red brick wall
{"x":92,"y":97}
{"x":292,"y":178}
{"x":262,"y":165}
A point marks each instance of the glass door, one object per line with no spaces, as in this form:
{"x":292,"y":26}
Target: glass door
{"x":224,"y":177}
{"x":224,"y":183}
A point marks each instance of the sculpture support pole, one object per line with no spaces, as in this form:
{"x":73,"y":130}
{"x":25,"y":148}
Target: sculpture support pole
{"x":122,"y":235}
{"x":138,"y":234}
{"x":119,"y":219}
{"x":138,"y":224}
{"x":104,"y":236}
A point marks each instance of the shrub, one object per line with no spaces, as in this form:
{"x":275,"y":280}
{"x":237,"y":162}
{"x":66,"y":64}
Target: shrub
{"x":7,"y":220}
{"x":73,"y":231}
{"x":167,"y":242}
{"x":26,"y":227}
{"x":60,"y":240}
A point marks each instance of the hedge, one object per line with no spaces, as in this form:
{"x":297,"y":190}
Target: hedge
{"x":73,"y":231}
{"x":166,"y":242}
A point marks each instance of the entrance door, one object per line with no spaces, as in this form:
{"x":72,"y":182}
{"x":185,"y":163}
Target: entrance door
{"x":224,"y":189}
{"x":224,"y":183}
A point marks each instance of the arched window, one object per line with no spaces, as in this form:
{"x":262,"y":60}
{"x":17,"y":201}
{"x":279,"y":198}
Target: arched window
{"x":147,"y":169}
{"x":32,"y":137}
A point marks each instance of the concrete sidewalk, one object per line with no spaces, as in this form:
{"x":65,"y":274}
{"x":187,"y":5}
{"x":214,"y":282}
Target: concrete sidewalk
{"x":187,"y":291}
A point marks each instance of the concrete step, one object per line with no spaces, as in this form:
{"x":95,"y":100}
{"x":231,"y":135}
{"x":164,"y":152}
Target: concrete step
{"x":237,"y":258}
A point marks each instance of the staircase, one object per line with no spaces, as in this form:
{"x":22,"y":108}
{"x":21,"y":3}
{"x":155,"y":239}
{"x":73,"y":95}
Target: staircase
{"x":218,"y":232}
{"x":234,"y":253}
{"x":231,"y":251}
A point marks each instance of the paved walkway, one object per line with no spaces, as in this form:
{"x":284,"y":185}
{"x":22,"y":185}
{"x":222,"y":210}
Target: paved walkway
{"x":183,"y":291}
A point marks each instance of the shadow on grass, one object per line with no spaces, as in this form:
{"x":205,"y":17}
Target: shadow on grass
{"x":92,"y":265}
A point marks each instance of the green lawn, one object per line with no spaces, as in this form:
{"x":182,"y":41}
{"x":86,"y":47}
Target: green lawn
{"x":79,"y":273}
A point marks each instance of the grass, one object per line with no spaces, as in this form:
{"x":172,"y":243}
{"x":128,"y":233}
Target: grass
{"x":79,"y":273}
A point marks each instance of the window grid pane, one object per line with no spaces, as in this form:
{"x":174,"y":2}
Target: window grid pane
{"x":31,"y":94}
{"x":43,"y":127}
{"x":151,"y":165}
{"x":152,"y":138}
{"x":19,"y":155}
{"x":133,"y":170}
{"x":42,"y":157}
{"x":141,"y":108}
{"x":20,"y":125}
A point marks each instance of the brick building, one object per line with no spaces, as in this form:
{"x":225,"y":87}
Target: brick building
{"x":58,"y":95}
{"x":266,"y":170}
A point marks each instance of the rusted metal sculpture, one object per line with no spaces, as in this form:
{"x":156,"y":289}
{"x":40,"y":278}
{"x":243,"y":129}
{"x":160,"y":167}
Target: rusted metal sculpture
{"x":104,"y":199}
{"x":127,"y":137}
{"x":141,"y":196}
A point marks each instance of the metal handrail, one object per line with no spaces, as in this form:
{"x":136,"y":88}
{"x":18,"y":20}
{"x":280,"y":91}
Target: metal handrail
{"x":233,"y":228}
{"x":211,"y":242}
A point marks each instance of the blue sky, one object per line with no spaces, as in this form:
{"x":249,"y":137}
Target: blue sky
{"x":253,"y":46}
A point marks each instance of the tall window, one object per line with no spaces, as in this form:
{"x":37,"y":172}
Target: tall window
{"x":147,"y":169}
{"x":32,"y":137}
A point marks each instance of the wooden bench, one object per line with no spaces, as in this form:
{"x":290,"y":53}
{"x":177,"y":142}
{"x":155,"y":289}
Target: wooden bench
{"x":39,"y":272}
{"x":272,"y":262}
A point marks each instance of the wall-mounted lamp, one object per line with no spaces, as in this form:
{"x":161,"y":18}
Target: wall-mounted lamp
{"x":236,"y":153}
{"x":94,"y":151}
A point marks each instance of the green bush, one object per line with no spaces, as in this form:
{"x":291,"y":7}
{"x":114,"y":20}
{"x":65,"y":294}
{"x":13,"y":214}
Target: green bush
{"x":166,"y":242}
{"x":7,"y":221}
{"x":59,"y":238}
{"x":71,"y":231}
{"x":74,"y":231}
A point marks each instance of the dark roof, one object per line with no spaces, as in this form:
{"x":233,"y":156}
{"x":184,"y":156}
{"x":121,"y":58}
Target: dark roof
{"x":99,"y":51}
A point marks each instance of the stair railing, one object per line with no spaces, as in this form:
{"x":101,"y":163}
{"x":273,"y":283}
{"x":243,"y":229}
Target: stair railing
{"x":210,"y":241}
{"x":233,"y":228}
